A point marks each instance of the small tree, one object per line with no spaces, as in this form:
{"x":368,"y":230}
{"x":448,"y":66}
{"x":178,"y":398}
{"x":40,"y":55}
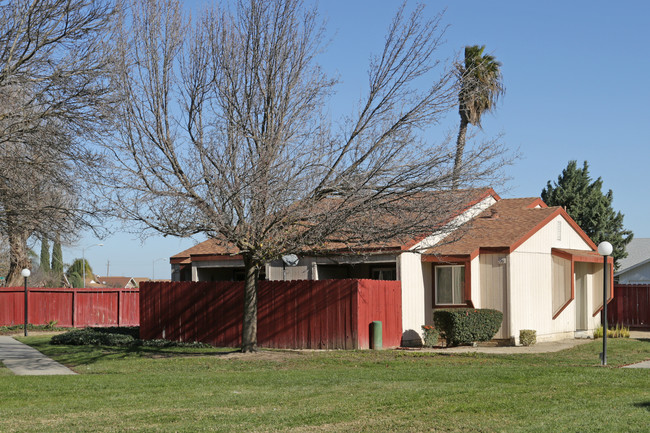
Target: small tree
{"x":77,"y":268}
{"x":585,"y":202}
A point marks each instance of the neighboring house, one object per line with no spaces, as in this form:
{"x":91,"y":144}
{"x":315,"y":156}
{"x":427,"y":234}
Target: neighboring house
{"x":116,"y":282}
{"x":635,"y":268}
{"x":530,"y":261}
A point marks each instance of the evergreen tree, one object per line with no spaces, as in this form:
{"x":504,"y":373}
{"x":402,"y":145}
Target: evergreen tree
{"x":589,"y":207}
{"x":77,"y":267}
{"x":45,"y":256}
{"x":57,"y":260}
{"x":76,"y":280}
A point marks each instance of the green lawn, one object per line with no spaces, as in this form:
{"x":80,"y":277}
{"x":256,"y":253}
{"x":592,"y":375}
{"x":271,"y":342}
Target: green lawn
{"x":190,"y":390}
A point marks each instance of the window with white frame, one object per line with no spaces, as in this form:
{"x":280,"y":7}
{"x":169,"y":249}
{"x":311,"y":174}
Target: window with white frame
{"x":450,"y":284}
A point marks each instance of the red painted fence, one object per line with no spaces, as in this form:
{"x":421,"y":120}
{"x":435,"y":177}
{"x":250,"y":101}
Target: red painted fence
{"x":331,"y":314}
{"x":70,"y":307}
{"x":630,"y":306}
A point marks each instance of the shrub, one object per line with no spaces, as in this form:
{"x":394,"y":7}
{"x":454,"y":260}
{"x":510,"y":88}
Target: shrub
{"x":430,"y":336}
{"x":467,"y":325}
{"x":527,"y":337}
{"x":116,"y":336}
{"x":51,"y":325}
{"x":90,"y":336}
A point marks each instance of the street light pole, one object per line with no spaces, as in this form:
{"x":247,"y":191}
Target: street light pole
{"x":153,"y":267}
{"x":25,"y":273}
{"x":604,"y":249}
{"x":83,"y":260}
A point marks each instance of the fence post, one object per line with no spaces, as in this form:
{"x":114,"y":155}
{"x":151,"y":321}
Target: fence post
{"x":119,"y":298}
{"x":74,"y":305}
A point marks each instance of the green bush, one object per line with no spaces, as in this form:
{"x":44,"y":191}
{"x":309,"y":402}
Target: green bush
{"x":90,"y":336}
{"x":467,"y":325}
{"x":527,"y":337}
{"x":430,"y":336}
{"x":115,"y":336}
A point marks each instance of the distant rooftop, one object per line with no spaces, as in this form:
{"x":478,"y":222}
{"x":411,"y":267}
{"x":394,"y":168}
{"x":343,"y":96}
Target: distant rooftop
{"x":638,"y":252}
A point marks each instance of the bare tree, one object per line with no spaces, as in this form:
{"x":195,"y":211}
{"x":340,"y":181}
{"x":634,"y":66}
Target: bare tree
{"x":38,"y":196}
{"x":56,"y":97}
{"x":53,"y":53}
{"x":223,"y":133}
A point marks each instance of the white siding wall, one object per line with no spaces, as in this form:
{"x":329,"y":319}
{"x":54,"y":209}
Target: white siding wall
{"x":416,"y":282}
{"x":475,"y":277}
{"x":530,"y":277}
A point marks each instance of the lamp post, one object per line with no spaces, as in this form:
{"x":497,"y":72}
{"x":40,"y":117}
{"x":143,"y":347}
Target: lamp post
{"x":25,"y":273}
{"x":604,"y":249}
{"x":83,"y":260}
{"x":153,"y":267}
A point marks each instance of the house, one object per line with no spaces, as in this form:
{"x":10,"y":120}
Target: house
{"x":116,"y":282}
{"x":635,"y":268}
{"x":519,"y":256}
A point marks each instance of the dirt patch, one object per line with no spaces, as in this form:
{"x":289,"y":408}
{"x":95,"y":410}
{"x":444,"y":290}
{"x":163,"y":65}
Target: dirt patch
{"x":262,"y":355}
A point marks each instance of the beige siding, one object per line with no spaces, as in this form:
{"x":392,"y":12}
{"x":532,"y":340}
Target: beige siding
{"x":546,"y":238}
{"x":493,"y":287}
{"x":597,"y":290}
{"x":561,"y":282}
{"x":415,"y":309}
{"x":531,"y":282}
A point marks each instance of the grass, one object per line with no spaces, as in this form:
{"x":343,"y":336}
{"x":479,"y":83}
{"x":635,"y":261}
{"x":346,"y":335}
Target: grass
{"x":188,"y":390}
{"x":13,"y":329}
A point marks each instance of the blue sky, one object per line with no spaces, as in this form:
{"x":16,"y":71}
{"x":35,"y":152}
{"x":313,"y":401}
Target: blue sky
{"x":577,"y":88}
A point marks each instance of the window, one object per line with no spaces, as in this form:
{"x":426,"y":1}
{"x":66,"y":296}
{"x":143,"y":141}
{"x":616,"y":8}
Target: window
{"x":383,"y":273}
{"x":450,"y":285}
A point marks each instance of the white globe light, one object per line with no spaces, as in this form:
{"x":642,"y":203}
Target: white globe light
{"x":25,"y":273}
{"x":605,"y":248}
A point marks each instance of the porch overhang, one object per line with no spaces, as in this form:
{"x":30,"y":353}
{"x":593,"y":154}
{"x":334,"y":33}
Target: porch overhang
{"x":583,"y":256}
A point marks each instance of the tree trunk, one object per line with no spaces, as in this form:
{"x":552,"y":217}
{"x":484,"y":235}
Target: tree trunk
{"x":460,"y":148}
{"x":18,"y":258}
{"x":249,"y":330}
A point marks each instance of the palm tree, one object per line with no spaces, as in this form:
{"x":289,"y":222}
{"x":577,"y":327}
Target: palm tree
{"x":480,"y":87}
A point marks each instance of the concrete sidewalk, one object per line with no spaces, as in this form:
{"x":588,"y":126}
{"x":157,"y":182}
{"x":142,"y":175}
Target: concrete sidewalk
{"x":26,"y":361}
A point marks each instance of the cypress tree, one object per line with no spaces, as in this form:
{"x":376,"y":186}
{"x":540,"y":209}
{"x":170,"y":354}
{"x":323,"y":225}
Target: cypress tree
{"x":45,"y":256}
{"x":57,"y":259}
{"x":585,"y":202}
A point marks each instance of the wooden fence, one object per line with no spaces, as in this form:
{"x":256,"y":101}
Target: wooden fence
{"x":630,"y":306}
{"x":70,"y":307}
{"x":331,"y":314}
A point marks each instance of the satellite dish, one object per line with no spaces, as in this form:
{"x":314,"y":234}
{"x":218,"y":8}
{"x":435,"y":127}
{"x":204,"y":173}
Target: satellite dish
{"x":290,"y":260}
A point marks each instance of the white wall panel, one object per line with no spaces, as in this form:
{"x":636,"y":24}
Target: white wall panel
{"x":414,"y":305}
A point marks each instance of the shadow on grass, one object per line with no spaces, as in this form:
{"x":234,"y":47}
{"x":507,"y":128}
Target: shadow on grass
{"x":643,"y":405}
{"x":74,"y":356}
